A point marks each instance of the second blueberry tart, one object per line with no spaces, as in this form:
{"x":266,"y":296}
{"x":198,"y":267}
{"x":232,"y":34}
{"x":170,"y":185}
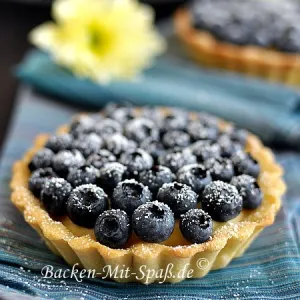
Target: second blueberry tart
{"x":257,"y":38}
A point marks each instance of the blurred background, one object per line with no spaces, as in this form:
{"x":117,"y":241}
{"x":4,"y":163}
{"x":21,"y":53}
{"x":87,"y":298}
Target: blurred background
{"x":172,"y":63}
{"x":17,"y":18}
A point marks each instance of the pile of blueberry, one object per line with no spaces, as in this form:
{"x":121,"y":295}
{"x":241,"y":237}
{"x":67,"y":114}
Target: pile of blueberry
{"x":271,"y":24}
{"x":129,"y":169}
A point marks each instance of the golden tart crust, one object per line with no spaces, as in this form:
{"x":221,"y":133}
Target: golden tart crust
{"x":256,"y":61}
{"x":77,"y":245}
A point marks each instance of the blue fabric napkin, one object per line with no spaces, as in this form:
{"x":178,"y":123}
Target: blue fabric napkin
{"x":270,"y":269}
{"x":270,"y":111}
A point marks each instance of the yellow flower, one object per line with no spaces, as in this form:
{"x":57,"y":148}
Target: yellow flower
{"x":100,"y":39}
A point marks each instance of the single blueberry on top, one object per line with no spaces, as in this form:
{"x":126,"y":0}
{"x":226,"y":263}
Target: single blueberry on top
{"x":156,"y":177}
{"x":249,"y":190}
{"x":153,"y":222}
{"x":141,"y":128}
{"x":288,"y":41}
{"x":122,"y":114}
{"x":175,"y":159}
{"x":112,"y":228}
{"x":198,"y":131}
{"x":179,"y":197}
{"x":176,"y":120}
{"x":176,"y":138}
{"x":136,"y":161}
{"x":41,"y":159}
{"x":64,"y":160}
{"x":154,"y":114}
{"x":85,"y":204}
{"x":222,"y":201}
{"x":98,"y":160}
{"x":204,"y":150}
{"x":88,"y":144}
{"x":107,"y":127}
{"x":244,"y":163}
{"x":228,"y":146}
{"x":110,"y":175}
{"x":59,"y":142}
{"x":207,"y":120}
{"x":81,"y":124}
{"x":118,"y":143}
{"x":54,"y":195}
{"x":196,"y":176}
{"x":83,"y":175}
{"x":129,"y":195}
{"x":196,"y":226}
{"x":238,"y":135}
{"x":38,"y":179}
{"x":220,"y":168}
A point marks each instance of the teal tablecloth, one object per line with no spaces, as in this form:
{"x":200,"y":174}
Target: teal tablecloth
{"x":270,"y":269}
{"x":270,"y":111}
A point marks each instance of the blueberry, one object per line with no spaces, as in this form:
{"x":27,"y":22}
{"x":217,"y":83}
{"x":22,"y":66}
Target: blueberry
{"x":154,"y":148}
{"x":96,"y":117}
{"x":228,"y":146}
{"x":196,"y":176}
{"x":98,"y":160}
{"x":110,"y":175}
{"x":176,"y":138}
{"x":54,"y":195}
{"x":176,"y":120}
{"x":122,"y":114}
{"x":88,"y":144}
{"x":118,"y":144}
{"x":249,"y":190}
{"x":235,"y":32}
{"x":207,"y":120}
{"x":238,"y":135}
{"x":222,"y":201}
{"x":198,"y":131}
{"x":129,"y":195}
{"x":263,"y":37}
{"x":154,"y":114}
{"x":140,"y":129}
{"x":136,"y":161}
{"x":107,"y":127}
{"x":245,"y":164}
{"x":38,"y":179}
{"x":220,"y":168}
{"x":82,"y":124}
{"x":153,"y":222}
{"x":112,"y":228}
{"x":41,"y":159}
{"x":64,"y":160}
{"x":60,"y":142}
{"x":110,"y":107}
{"x":204,"y":150}
{"x":177,"y":159}
{"x":156,"y":177}
{"x":179,"y":197}
{"x":289,"y":40}
{"x":196,"y":226}
{"x":83,"y":175}
{"x":85,"y":204}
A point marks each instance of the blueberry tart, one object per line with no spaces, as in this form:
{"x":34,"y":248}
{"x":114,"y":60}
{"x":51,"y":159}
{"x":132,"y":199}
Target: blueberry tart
{"x":257,"y":38}
{"x":129,"y":187}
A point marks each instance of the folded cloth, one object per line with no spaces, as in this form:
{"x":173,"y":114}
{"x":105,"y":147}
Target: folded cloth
{"x":270,"y":111}
{"x":270,"y":269}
